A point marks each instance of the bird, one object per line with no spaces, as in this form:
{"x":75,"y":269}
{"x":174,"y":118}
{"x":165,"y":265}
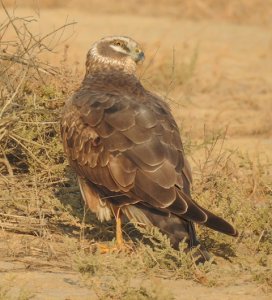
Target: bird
{"x":124,"y":145}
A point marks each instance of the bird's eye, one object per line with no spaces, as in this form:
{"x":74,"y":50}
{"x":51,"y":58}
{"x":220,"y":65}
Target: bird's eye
{"x":117,"y":43}
{"x":137,"y":50}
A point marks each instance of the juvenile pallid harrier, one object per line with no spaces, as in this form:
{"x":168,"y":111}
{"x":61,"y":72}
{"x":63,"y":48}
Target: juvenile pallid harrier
{"x":125,"y":147}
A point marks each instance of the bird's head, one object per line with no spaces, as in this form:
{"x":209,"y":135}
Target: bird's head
{"x":117,"y":52}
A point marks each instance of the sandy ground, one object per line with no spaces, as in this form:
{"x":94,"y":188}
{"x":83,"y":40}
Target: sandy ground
{"x":232,"y":87}
{"x":58,"y":284}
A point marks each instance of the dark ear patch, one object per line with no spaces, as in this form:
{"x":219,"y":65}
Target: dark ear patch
{"x":105,"y":50}
{"x":120,"y":43}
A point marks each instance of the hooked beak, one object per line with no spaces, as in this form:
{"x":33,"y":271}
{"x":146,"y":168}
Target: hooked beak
{"x":139,"y":57}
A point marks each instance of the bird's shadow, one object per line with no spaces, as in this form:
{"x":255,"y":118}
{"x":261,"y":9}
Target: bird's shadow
{"x":218,"y":248}
{"x":70,"y":197}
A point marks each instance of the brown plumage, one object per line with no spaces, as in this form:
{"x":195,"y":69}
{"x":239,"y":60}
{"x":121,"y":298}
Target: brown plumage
{"x":125,"y":146}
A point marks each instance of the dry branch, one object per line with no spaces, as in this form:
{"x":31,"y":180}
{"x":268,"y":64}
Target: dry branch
{"x":24,"y":76}
{"x":42,"y":67}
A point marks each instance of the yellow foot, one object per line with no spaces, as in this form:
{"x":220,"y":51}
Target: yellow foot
{"x":101,"y":248}
{"x":124,"y":247}
{"x":104,"y":248}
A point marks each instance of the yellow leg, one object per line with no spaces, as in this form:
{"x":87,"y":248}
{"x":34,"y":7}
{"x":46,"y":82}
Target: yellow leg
{"x":120,"y":245}
{"x":119,"y":235}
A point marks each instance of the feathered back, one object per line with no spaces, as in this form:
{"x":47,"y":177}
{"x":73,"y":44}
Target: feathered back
{"x":125,"y":141}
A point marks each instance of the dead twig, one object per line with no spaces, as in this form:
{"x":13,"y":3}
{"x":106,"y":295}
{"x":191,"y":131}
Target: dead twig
{"x":46,"y":69}
{"x":14,"y":94}
{"x":5,"y":162}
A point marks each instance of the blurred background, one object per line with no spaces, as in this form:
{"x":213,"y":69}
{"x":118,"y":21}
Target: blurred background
{"x":242,"y":11}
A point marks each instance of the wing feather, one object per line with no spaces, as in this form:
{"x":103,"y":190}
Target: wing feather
{"x":121,"y":120}
{"x":163,"y":176}
{"x":151,"y":153}
{"x":163,"y":196}
{"x":145,"y":117}
{"x":92,"y":117}
{"x":138,"y":134}
{"x":128,"y":145}
{"x":104,"y":130}
{"x":122,"y":175}
{"x":117,"y":142}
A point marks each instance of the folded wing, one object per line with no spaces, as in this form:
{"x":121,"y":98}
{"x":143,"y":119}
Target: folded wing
{"x":129,"y":147}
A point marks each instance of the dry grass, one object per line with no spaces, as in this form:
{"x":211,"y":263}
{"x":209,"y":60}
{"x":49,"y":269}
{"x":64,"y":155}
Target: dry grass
{"x":43,"y":220}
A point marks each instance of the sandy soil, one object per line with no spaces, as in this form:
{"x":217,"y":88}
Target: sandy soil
{"x":232,"y":86}
{"x":44,"y":283}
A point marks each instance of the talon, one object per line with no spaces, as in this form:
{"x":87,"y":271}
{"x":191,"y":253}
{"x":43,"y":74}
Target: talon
{"x":120,"y":245}
{"x":105,"y":249}
{"x":101,"y":248}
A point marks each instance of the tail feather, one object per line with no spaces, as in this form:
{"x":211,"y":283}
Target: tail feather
{"x":219,"y":224}
{"x":200,"y":215}
{"x":176,"y":228}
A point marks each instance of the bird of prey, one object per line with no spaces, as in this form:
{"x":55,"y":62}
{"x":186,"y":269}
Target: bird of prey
{"x":125,"y":147}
